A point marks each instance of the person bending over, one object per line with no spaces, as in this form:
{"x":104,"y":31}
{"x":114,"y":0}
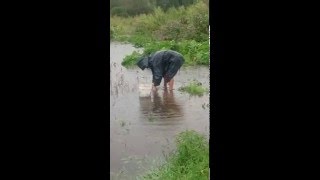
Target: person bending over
{"x":163,"y":64}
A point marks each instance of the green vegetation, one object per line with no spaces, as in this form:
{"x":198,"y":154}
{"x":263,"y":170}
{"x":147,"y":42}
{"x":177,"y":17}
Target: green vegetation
{"x":194,"y":88}
{"x":190,"y":161}
{"x":131,"y":60}
{"x":179,"y":28}
{"x":136,"y":7}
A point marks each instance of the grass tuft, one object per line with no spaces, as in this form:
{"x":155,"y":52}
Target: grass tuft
{"x":194,"y":88}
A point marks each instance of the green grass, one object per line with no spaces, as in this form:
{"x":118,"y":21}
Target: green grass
{"x":195,"y":53}
{"x":130,"y":61}
{"x":190,"y":161}
{"x":194,"y":88}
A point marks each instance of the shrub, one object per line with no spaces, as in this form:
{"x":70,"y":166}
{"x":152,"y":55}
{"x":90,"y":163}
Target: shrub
{"x":119,"y":11}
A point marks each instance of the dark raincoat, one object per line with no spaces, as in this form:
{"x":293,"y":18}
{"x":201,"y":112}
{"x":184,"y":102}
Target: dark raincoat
{"x":163,"y":64}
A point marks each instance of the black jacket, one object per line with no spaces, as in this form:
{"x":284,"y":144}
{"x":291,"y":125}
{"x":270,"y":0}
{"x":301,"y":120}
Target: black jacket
{"x":164,"y":64}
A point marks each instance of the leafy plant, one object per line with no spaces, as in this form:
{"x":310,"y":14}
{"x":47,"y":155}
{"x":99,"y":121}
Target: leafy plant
{"x":194,"y":88}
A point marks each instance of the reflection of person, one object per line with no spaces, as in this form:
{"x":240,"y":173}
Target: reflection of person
{"x":170,"y":103}
{"x":163,"y":64}
{"x":157,"y":102}
{"x":151,"y":104}
{"x":162,"y":107}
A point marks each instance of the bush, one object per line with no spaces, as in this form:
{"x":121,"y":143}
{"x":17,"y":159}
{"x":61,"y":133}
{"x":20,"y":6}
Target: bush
{"x":119,"y":11}
{"x":139,"y":10}
{"x":170,"y":31}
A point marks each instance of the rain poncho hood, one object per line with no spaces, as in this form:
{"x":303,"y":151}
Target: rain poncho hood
{"x":143,"y":63}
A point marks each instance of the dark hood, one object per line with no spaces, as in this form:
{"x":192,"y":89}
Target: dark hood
{"x":143,"y":63}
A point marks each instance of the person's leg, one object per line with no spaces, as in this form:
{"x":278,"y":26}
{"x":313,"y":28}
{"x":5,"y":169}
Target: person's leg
{"x":173,"y":68}
{"x":165,"y":83}
{"x":171,"y":82}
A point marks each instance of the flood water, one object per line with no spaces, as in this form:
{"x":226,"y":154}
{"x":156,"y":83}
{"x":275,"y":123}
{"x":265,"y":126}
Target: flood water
{"x":143,"y":129}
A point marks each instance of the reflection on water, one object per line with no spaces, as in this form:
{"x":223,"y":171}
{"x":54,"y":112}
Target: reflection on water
{"x":161,"y":107}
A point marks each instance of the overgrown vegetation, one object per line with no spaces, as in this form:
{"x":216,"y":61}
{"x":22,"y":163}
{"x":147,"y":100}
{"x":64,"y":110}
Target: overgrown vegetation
{"x":190,"y":160}
{"x":194,"y":88}
{"x":136,"y":7}
{"x":184,"y":29}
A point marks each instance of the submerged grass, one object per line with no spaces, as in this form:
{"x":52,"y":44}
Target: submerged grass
{"x":190,"y":161}
{"x":194,"y":88}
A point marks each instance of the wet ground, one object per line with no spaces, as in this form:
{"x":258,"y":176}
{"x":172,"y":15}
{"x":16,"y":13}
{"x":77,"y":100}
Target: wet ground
{"x":143,"y":129}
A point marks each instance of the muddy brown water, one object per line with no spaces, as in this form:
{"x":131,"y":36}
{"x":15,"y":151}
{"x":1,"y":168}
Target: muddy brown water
{"x":142,"y":129}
